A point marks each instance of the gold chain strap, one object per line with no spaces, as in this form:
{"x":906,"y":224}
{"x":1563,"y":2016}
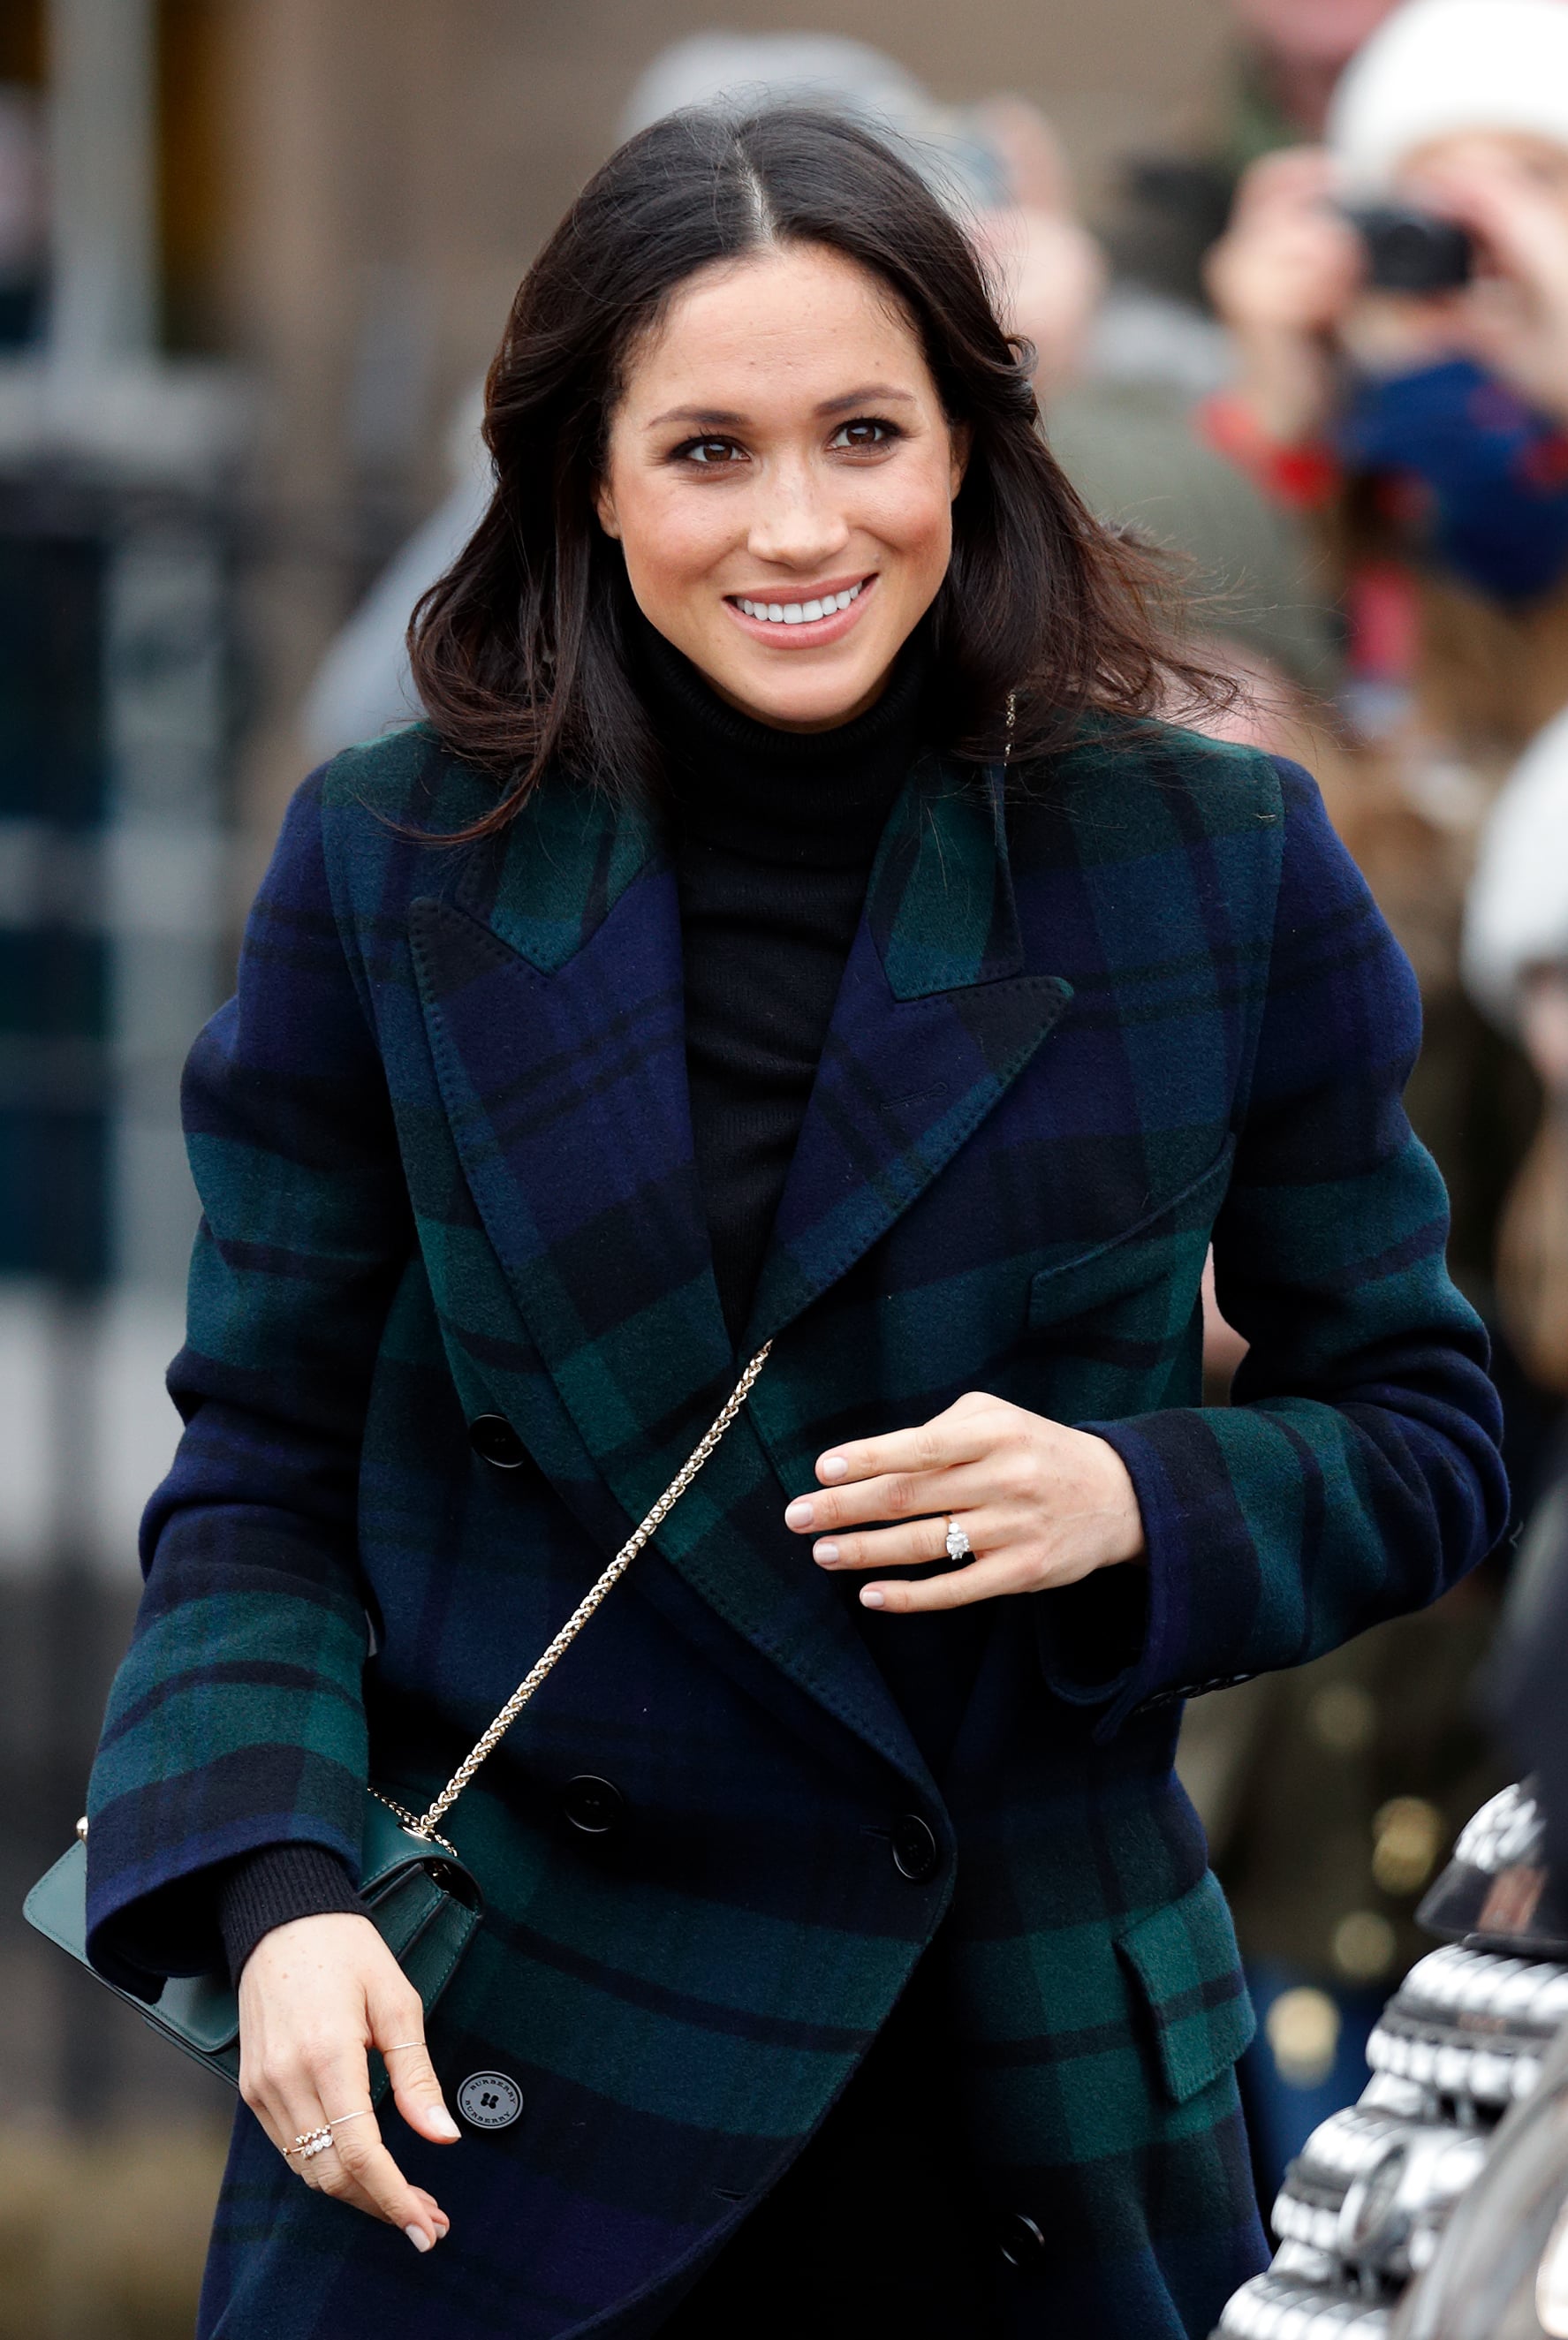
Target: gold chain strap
{"x":426,"y":1826}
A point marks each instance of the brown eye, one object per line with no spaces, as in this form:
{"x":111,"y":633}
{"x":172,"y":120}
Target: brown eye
{"x":709,"y":452}
{"x":864,"y":432}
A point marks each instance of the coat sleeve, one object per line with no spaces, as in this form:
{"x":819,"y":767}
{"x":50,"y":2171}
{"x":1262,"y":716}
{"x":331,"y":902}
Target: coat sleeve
{"x":236,"y":1718}
{"x":1355,"y":1474}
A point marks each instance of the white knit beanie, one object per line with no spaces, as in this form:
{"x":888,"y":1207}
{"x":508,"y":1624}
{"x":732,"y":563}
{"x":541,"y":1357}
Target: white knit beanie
{"x":1438,"y":67}
{"x":1517,"y":914}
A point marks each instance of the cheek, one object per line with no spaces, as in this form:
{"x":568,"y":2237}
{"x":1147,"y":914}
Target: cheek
{"x":914,"y":519}
{"x":671,"y":540}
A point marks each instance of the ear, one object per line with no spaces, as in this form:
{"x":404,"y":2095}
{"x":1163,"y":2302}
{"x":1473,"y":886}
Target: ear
{"x":960,"y":439}
{"x":604,"y":505}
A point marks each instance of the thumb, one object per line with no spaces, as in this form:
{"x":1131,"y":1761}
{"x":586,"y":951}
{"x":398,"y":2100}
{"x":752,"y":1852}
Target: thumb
{"x":416,"y":2091}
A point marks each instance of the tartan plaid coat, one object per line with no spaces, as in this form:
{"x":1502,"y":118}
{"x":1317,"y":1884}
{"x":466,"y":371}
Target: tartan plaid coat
{"x":442,"y":1141}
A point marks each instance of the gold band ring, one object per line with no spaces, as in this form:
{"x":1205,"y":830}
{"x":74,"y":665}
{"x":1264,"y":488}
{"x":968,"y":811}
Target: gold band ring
{"x":397,"y":2044}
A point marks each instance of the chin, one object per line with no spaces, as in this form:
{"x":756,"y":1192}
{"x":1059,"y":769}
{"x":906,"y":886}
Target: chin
{"x":817,"y":700}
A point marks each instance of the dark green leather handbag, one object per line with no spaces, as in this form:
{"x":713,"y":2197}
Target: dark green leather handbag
{"x":422,"y":1899}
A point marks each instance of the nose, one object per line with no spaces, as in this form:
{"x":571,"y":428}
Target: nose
{"x":797,"y":523}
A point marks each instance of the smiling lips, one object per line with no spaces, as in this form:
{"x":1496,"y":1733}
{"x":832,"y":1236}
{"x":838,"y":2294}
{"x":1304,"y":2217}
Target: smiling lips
{"x":819,"y":618}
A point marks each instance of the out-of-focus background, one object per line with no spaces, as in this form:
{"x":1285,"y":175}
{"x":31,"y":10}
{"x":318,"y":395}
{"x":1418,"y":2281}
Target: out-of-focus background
{"x":255,"y":256}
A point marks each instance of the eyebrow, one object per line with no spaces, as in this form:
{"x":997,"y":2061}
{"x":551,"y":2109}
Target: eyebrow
{"x":715,"y":418}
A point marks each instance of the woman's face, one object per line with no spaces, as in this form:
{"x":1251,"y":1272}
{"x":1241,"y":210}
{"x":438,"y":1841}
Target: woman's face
{"x":781,"y":477}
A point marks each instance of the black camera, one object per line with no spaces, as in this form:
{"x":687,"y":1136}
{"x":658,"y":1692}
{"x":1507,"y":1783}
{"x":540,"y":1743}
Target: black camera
{"x":1412,"y":251}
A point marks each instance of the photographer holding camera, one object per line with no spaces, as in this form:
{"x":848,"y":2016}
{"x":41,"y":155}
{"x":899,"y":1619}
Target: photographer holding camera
{"x":1399,"y":303}
{"x":1398,"y":300}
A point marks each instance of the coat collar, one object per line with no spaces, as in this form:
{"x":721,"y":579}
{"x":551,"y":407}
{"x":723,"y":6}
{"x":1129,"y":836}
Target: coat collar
{"x":551,"y":984}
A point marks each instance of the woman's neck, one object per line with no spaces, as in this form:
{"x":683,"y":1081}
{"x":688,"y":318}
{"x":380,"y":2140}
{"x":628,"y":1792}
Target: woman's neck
{"x":819,"y":797}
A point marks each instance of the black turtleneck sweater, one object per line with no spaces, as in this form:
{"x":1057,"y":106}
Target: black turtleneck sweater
{"x":774,"y":834}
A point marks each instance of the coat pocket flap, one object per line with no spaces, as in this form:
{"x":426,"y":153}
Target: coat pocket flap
{"x":1185,"y":1958}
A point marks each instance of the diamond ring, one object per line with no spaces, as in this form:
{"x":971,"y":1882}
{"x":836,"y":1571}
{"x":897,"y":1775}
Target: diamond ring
{"x":316,"y":2140}
{"x":957,"y":1542}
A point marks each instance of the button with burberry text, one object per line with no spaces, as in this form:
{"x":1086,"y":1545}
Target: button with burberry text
{"x":489,"y":2100}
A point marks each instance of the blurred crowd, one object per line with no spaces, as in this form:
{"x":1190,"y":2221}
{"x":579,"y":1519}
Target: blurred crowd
{"x":1318,"y":354}
{"x":1323,"y":363}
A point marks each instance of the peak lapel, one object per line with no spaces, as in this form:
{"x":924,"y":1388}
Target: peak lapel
{"x":552,"y":989}
{"x":934,"y":1018}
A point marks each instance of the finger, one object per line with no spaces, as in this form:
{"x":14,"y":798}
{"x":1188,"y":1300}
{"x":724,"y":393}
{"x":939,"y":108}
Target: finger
{"x":920,"y":1541}
{"x":955,"y":1588}
{"x":903,"y":1496}
{"x":397,"y":2028}
{"x":417,"y":2094}
{"x":359,"y":2168}
{"x":959,"y":1434}
{"x":285,"y":2105}
{"x":433,"y":2209}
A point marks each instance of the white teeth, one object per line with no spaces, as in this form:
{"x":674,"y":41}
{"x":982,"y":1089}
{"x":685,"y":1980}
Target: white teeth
{"x":799,"y":613}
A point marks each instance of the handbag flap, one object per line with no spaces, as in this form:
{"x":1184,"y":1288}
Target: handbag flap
{"x":202,"y":2011}
{"x":200,"y":2008}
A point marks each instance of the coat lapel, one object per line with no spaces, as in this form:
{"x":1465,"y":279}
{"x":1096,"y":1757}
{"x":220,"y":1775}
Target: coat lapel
{"x":552,"y":988}
{"x":934,"y":1018}
{"x":551,"y":985}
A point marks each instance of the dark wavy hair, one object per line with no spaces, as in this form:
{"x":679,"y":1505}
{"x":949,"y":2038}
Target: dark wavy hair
{"x":519,"y":652}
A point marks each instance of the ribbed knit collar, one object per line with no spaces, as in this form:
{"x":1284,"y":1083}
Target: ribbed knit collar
{"x":810,"y":799}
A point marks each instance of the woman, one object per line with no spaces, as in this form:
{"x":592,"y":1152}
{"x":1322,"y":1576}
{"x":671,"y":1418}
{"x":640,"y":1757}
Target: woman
{"x":699,"y":975}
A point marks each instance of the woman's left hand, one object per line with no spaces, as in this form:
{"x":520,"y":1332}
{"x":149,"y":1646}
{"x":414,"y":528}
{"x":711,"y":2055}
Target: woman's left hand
{"x":1041,"y":1505}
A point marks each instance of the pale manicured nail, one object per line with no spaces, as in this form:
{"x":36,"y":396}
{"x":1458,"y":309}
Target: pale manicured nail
{"x":871,"y":1598}
{"x":418,"y":2237}
{"x":441,"y":2124}
{"x":826,"y":1552}
{"x":832,"y":1466}
{"x":799,"y":1514}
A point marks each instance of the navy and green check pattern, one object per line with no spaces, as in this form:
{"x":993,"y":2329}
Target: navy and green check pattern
{"x":445,"y":1150}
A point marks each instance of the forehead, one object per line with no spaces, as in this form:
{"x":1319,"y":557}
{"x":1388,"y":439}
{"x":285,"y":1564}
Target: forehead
{"x":782,"y":323}
{"x":1544,"y":156}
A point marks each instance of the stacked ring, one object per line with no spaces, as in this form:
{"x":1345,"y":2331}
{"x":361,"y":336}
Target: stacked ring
{"x":316,"y":2140}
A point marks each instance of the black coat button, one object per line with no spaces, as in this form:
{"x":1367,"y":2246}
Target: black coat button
{"x":593,"y":1806}
{"x":1019,"y":2239}
{"x":915,"y":1853}
{"x":493,"y":1440}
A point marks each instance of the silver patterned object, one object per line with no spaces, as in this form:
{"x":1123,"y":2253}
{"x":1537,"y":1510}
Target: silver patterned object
{"x":958,"y":1542}
{"x":1463,"y":2042}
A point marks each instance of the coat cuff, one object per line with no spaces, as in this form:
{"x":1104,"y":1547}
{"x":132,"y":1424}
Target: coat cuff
{"x":274,"y":1886}
{"x":1119,"y":1639}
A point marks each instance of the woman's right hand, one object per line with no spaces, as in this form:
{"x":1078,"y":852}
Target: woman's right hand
{"x":1285,"y":272}
{"x":314,"y":1996}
